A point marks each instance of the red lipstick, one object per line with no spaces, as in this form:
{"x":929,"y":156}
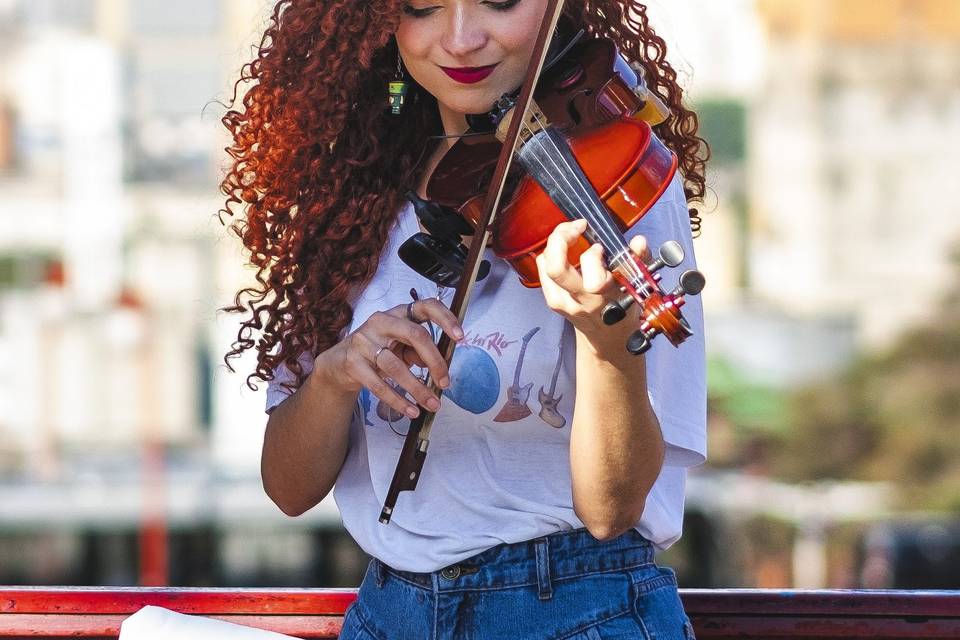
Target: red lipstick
{"x":469,"y":75}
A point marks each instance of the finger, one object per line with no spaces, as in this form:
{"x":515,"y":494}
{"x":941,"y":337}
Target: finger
{"x":556,"y":264}
{"x":596,"y":278}
{"x":432,"y":310}
{"x":379,"y":387}
{"x":390,"y":364}
{"x":409,"y":355}
{"x":640,"y":247}
{"x":417,"y":337}
{"x":557,"y":298}
{"x":359,"y":366}
{"x":365,"y":344}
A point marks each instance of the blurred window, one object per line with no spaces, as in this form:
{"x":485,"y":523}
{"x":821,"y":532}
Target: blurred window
{"x":171,"y":140}
{"x":178,"y":90}
{"x":78,"y":14}
{"x":175,"y":17}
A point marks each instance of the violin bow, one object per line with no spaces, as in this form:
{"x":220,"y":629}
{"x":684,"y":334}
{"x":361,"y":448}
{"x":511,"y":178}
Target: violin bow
{"x":417,"y":440}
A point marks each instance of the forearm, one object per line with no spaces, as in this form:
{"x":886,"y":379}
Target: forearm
{"x":305,"y":444}
{"x":616,"y":447}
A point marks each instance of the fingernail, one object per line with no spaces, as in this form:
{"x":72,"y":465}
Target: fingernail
{"x":458,"y":333}
{"x":413,"y":412}
{"x":445,"y":381}
{"x":433,"y":404}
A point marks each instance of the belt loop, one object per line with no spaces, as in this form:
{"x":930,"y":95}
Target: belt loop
{"x":380,"y":573}
{"x":542,"y":549}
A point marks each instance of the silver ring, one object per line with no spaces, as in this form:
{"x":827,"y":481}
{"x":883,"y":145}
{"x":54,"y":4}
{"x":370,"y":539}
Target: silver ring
{"x":377,"y":354}
{"x":410,"y":315}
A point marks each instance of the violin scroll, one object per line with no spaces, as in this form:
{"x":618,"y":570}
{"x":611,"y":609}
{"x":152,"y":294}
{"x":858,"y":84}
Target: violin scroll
{"x":661,"y":311}
{"x":661,"y":314}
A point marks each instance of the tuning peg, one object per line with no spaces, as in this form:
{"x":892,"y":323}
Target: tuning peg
{"x":670,"y":255}
{"x":639,"y":342}
{"x":614,"y":312}
{"x":691,"y":283}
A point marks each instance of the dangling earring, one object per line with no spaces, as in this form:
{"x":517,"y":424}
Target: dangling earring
{"x":397,"y":89}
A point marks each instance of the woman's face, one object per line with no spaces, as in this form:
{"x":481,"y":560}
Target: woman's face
{"x":468,"y":53}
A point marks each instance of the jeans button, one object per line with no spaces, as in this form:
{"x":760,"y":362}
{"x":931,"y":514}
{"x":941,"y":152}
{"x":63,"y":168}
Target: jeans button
{"x":451,"y":573}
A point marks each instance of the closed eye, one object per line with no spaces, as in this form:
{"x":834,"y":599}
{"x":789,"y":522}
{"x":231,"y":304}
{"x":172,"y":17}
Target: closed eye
{"x":506,"y":5}
{"x":418,"y":13}
{"x":422,"y":12}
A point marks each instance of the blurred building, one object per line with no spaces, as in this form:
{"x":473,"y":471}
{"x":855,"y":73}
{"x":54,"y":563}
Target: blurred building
{"x":850,"y":185}
{"x":114,"y":403}
{"x":110,"y":163}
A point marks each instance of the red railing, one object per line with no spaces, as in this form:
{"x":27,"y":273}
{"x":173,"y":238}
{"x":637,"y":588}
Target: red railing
{"x":70,"y":612}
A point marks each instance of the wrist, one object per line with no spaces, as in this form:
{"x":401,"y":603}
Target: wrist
{"x":606,"y":342}
{"x":328,"y":374}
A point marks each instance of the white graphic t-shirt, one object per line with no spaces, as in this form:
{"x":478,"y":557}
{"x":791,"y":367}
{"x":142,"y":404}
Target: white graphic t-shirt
{"x":498,"y":466}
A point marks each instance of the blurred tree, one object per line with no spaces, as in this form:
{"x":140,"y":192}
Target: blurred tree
{"x":723,"y":123}
{"x":894,"y":416}
{"x":744,"y":417}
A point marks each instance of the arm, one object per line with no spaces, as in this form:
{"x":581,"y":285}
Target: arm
{"x":616,"y":448}
{"x":305,"y":443}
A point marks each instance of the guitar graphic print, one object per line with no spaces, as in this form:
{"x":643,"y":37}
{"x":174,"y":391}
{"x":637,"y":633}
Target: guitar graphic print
{"x":548,"y":403}
{"x":516,"y":407}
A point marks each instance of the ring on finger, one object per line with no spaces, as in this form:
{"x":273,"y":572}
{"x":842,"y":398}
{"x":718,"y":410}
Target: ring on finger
{"x":410,"y":316}
{"x":377,"y":354}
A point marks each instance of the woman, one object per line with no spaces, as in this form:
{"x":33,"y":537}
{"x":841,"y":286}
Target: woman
{"x":526,"y":523}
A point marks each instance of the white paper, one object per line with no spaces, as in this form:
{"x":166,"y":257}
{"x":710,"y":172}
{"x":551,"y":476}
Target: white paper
{"x":157,"y":623}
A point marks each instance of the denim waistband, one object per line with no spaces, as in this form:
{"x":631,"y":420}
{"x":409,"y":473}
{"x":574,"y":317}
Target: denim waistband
{"x":534,"y":562}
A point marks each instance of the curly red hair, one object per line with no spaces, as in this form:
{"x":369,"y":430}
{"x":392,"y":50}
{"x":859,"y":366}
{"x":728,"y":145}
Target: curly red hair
{"x":319,"y":166}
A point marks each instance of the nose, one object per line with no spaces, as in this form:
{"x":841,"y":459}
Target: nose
{"x":464,"y":32}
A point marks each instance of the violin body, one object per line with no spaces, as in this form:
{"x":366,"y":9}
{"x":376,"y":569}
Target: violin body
{"x":629,"y":188}
{"x":592,"y":97}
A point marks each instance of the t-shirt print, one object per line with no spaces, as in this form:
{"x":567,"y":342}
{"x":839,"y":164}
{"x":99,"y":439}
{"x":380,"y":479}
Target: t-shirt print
{"x":481,"y":360}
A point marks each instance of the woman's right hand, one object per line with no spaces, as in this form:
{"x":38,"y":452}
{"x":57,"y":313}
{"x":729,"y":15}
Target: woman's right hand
{"x":386,"y":346}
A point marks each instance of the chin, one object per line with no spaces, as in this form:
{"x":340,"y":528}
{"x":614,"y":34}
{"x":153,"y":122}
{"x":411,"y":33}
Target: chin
{"x":478,"y":103}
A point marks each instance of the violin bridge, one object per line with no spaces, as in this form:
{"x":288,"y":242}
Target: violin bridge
{"x":535,"y":122}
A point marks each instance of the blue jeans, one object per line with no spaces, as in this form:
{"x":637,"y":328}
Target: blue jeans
{"x":566,"y":586}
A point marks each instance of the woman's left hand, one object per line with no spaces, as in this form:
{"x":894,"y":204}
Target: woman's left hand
{"x":580,"y":295}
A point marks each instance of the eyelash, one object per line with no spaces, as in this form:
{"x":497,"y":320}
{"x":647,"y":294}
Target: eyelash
{"x":496,"y":6}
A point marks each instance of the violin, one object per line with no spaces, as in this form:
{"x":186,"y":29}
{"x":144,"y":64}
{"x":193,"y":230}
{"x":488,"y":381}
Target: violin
{"x":587,"y":150}
{"x":584,"y":141}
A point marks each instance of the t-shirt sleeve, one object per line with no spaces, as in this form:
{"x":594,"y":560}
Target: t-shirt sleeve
{"x":676,"y":376}
{"x":276,"y":392}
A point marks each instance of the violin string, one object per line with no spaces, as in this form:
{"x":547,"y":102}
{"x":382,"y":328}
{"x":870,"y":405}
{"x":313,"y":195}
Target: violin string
{"x":574,"y":189}
{"x":558,"y":172}
{"x":603,"y":230}
{"x":610,"y":236}
{"x":603,"y":221}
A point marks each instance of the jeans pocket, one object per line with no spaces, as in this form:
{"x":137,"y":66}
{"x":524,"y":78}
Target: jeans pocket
{"x":658,"y":609}
{"x":353,"y":627}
